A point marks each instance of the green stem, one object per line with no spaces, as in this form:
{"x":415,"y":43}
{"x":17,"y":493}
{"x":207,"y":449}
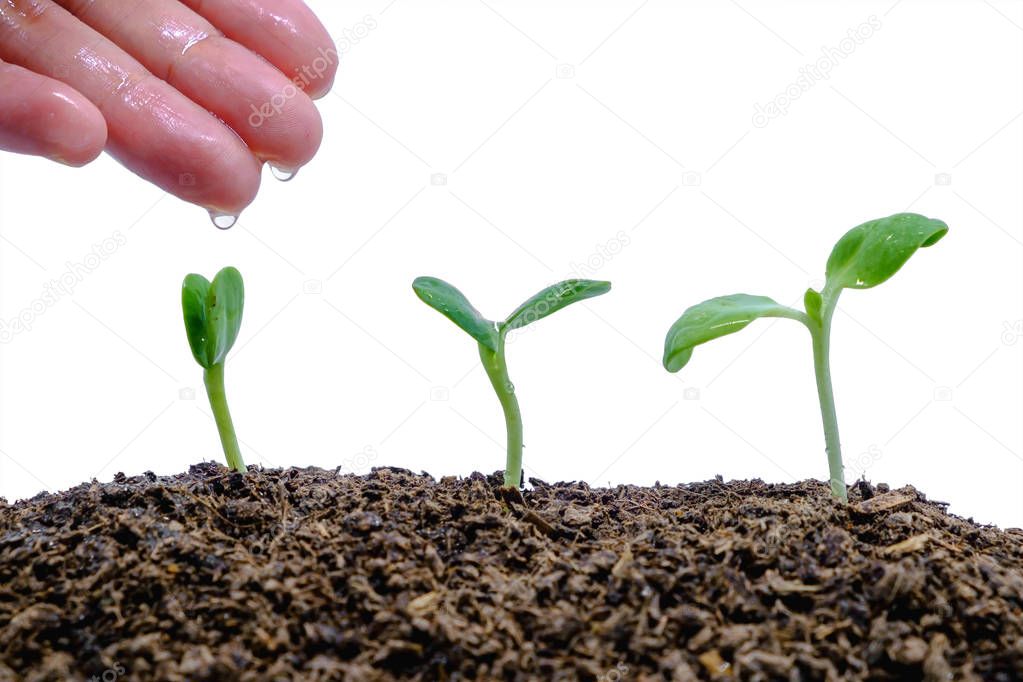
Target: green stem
{"x":497,"y":370}
{"x":821,"y":334}
{"x":214,"y":379}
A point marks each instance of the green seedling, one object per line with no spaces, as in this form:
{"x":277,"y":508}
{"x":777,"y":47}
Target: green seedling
{"x":490,"y":336}
{"x":213,"y":316}
{"x":868,"y":255}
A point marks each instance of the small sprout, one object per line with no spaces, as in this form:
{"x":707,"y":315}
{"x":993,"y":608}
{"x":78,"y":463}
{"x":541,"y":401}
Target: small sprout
{"x":490,"y":336}
{"x":866,"y":256}
{"x":213,"y":316}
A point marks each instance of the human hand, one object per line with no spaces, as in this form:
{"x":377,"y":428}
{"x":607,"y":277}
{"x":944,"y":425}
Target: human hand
{"x":140,"y":79}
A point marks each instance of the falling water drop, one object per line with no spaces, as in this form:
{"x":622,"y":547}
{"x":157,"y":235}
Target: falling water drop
{"x":282,"y":174}
{"x":223,"y":221}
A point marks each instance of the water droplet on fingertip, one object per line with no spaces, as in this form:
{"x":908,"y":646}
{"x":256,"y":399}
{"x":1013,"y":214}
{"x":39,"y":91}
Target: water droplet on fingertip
{"x":223,"y":221}
{"x":282,"y":174}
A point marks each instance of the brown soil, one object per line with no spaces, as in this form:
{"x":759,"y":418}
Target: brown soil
{"x":310,"y":575}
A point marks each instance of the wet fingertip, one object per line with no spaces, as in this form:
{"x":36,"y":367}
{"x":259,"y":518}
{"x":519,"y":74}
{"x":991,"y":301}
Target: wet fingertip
{"x":319,"y":73}
{"x":81,"y":155}
{"x":75,"y":132}
{"x":225,"y":203}
{"x":75,"y":158}
{"x":294,"y":143}
{"x":322,"y":90}
{"x":69,"y":163}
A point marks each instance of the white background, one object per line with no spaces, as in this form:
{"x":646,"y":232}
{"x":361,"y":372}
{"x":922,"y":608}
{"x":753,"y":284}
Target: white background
{"x":559,"y":127}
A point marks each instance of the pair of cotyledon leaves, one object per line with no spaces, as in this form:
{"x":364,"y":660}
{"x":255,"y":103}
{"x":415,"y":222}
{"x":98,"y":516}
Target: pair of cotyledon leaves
{"x":868,"y":255}
{"x":213,"y":310}
{"x":453,"y":304}
{"x":213,"y":314}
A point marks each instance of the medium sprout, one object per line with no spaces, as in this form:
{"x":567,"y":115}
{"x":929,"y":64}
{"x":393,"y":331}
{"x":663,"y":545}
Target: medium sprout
{"x":490,"y":336}
{"x":868,"y":255}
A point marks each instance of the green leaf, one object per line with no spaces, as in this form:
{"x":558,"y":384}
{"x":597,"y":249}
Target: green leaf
{"x":554,"y":298}
{"x":869,"y":254}
{"x":813,"y":302}
{"x":193,"y":304}
{"x":716,"y":318}
{"x":224,"y":305}
{"x":452,"y":304}
{"x":213,"y":314}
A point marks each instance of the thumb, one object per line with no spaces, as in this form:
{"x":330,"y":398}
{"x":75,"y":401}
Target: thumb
{"x":44,"y":117}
